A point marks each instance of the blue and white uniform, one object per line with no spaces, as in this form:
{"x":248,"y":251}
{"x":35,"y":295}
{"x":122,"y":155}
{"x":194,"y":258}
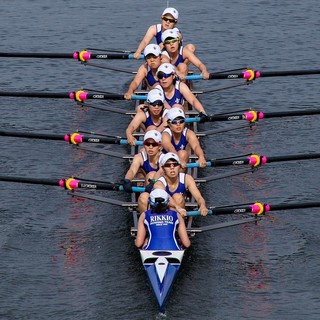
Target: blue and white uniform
{"x":159,"y":33}
{"x":149,"y":121}
{"x":150,"y":78}
{"x":181,"y":188}
{"x":177,"y":97}
{"x":146,"y":164}
{"x":162,"y":228}
{"x":182,"y":144}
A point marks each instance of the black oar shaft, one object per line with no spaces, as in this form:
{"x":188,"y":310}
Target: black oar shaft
{"x":266,"y":74}
{"x":291,"y":113}
{"x":35,"y":94}
{"x":50,"y":182}
{"x":288,"y":206}
{"x":293,"y":157}
{"x":44,"y":136}
{"x":36,"y":55}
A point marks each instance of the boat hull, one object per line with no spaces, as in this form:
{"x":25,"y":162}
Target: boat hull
{"x":161,"y":267}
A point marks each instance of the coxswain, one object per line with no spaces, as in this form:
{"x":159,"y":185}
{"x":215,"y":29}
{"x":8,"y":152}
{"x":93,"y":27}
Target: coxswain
{"x":157,"y":227}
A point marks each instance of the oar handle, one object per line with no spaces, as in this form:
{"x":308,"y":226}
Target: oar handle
{"x":134,"y":189}
{"x":194,"y":77}
{"x":196,"y":213}
{"x":197,"y":165}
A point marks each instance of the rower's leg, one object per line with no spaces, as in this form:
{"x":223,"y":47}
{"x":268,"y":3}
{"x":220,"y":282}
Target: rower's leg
{"x":143,"y":202}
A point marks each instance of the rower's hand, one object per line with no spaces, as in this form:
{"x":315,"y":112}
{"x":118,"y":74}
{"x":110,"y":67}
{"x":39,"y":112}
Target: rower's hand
{"x":202,"y":162}
{"x":128,"y":95}
{"x":131,"y":140}
{"x":206,"y":75}
{"x":136,"y":55}
{"x":182,"y":212}
{"x":203,"y":210}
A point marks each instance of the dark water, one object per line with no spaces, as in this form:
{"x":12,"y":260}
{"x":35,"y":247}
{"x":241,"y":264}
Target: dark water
{"x":66,"y":258}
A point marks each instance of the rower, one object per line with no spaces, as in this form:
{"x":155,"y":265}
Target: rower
{"x":158,"y":225}
{"x":175,"y":91}
{"x":169,"y":20}
{"x":151,"y":115}
{"x":180,"y":56}
{"x":145,"y":162}
{"x":181,"y":140}
{"x":147,"y":71}
{"x":176,"y":184}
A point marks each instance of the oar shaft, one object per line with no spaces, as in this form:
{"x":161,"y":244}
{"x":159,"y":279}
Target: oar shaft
{"x":293,"y":157}
{"x":291,"y":113}
{"x":36,"y":55}
{"x":50,"y":182}
{"x":44,"y":136}
{"x":35,"y":94}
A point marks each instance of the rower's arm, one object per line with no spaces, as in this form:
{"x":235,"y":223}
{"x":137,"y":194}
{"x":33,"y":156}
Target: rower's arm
{"x":135,"y":166}
{"x":135,"y":123}
{"x":195,"y":145}
{"x":151,"y":32}
{"x":166,"y":143}
{"x":191,"y":98}
{"x":188,"y":54}
{"x":141,"y":74}
{"x":192,"y":187}
{"x":182,"y":232}
{"x":141,"y":231}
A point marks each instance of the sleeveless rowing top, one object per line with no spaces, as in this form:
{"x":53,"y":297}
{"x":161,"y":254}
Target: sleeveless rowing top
{"x":180,"y":57}
{"x":181,"y":186}
{"x":150,"y":78}
{"x":162,"y":228}
{"x":159,"y":33}
{"x":146,"y":164}
{"x":149,"y":121}
{"x":177,"y":97}
{"x":182,"y":144}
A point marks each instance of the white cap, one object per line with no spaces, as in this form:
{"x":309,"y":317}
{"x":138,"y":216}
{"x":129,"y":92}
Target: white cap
{"x":159,"y":193}
{"x":175,"y":113}
{"x":154,"y":95}
{"x":170,"y":33}
{"x":152,"y":49}
{"x":167,"y":68}
{"x":152,"y":134}
{"x":167,"y":156}
{"x":174,"y":12}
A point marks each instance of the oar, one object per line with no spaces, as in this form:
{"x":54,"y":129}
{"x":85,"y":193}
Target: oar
{"x":256,"y":160}
{"x":71,"y":183}
{"x":252,"y":74}
{"x":252,"y":115}
{"x":83,"y":55}
{"x":257,"y":208}
{"x":73,"y":138}
{"x":79,"y":96}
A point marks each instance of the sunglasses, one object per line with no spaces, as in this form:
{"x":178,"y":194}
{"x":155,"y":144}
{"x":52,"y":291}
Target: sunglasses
{"x":171,"y":40}
{"x":162,"y":75}
{"x":180,"y":121}
{"x":166,"y":19}
{"x":149,"y":144}
{"x":157,"y":103}
{"x":170,"y":164}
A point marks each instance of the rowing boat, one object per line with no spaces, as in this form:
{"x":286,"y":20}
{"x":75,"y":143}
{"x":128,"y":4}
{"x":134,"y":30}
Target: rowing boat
{"x":162,"y":266}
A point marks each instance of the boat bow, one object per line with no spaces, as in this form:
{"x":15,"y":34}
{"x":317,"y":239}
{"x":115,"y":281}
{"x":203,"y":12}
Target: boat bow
{"x":161,"y":267}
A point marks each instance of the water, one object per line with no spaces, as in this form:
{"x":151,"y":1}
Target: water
{"x":67,"y":258}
